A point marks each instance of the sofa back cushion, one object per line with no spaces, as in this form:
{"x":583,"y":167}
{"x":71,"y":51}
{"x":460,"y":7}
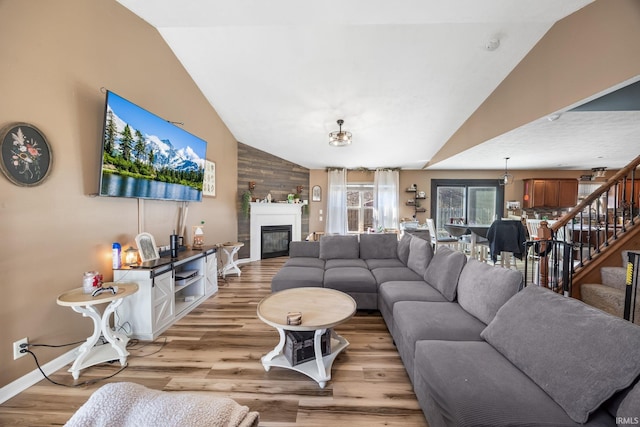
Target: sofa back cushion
{"x":304,"y":249}
{"x":420,"y":254}
{"x":339,"y":246}
{"x":483,"y":289}
{"x":403,"y":248}
{"x":580,"y":356}
{"x":444,"y":270}
{"x":378,"y":246}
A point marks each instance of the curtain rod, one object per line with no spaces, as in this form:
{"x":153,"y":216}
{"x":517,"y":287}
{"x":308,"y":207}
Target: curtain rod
{"x":363,"y":169}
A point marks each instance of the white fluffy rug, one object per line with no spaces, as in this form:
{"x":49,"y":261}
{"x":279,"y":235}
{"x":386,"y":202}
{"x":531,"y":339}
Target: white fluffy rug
{"x":130,"y":404}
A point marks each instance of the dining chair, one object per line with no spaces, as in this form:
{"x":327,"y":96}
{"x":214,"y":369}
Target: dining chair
{"x":532,"y":228}
{"x":440,"y":238}
{"x":506,"y":238}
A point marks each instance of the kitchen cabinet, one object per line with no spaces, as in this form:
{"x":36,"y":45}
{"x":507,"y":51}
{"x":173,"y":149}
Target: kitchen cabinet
{"x":625,"y":192}
{"x":550,"y":193}
{"x":567,"y":193}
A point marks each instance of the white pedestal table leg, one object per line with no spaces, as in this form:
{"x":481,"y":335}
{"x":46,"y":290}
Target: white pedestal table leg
{"x":117,"y":341}
{"x":85,"y":349}
{"x":275,"y":352}
{"x":317,"y":348}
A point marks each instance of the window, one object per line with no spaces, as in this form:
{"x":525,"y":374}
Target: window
{"x":359,"y":207}
{"x":470,"y":201}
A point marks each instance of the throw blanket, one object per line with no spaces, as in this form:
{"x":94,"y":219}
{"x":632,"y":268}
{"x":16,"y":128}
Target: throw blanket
{"x":130,"y":404}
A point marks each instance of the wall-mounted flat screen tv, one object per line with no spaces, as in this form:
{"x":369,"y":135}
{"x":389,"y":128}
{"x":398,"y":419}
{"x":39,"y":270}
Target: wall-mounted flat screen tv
{"x":147,"y":157}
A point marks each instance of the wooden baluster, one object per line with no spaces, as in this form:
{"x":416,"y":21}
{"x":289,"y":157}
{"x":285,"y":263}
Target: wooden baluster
{"x":544,"y":233}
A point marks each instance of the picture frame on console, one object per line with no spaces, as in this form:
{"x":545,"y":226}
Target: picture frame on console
{"x":147,"y":247}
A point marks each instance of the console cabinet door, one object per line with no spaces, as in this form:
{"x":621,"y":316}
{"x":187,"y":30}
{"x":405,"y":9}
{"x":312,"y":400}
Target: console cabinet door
{"x":163,"y":308}
{"x":211,"y":273}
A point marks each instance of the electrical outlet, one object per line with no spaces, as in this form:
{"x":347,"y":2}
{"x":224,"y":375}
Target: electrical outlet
{"x":17,"y":348}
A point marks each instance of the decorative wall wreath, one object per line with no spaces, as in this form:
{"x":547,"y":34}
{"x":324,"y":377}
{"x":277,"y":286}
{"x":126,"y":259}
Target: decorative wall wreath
{"x":25,"y":154}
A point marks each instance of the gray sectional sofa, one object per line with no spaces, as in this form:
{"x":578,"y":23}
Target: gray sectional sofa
{"x":479,"y":349}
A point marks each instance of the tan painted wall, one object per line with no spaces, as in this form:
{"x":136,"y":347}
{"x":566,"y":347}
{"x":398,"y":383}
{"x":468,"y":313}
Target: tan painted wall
{"x":56,"y":55}
{"x":317,"y":220}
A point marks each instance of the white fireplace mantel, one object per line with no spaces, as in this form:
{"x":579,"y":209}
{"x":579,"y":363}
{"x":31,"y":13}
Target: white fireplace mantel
{"x":262,"y":214}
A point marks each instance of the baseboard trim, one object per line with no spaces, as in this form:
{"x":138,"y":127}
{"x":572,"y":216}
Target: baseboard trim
{"x":21,"y":384}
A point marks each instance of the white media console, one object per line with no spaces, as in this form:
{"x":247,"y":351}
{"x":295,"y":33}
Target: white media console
{"x":168,"y":290}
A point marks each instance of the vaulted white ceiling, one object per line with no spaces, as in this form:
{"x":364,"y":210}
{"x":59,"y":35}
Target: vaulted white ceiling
{"x":404,"y":75}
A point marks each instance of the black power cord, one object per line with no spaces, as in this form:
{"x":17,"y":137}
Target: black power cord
{"x":84,"y":383}
{"x":24,"y":349}
{"x":24,"y":346}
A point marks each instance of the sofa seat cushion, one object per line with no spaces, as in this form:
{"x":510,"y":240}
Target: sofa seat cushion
{"x":304,"y":262}
{"x":339,"y":247}
{"x":385,"y":262}
{"x":390,"y":274}
{"x":472,"y":384}
{"x":297,"y":277}
{"x":379,"y":245}
{"x":596,"y":351}
{"x":444,"y":270}
{"x":414,"y":321}
{"x":483,"y":289}
{"x":336,"y":263}
{"x":350,"y":279}
{"x":391,"y":292}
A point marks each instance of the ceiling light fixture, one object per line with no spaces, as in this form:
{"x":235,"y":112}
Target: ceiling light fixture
{"x":598,"y":172}
{"x":506,"y":177}
{"x":340,"y":138}
{"x":492,"y":44}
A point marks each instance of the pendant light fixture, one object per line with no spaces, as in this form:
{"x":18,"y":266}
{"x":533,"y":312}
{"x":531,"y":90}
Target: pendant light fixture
{"x":340,"y":138}
{"x":506,"y":177}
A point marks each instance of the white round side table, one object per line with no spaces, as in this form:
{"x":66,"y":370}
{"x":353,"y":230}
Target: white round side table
{"x":88,"y":353}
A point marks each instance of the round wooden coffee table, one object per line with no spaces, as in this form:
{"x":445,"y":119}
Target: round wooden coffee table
{"x":321,"y":309}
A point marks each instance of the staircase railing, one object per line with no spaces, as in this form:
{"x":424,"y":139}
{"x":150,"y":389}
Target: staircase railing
{"x":602,"y":217}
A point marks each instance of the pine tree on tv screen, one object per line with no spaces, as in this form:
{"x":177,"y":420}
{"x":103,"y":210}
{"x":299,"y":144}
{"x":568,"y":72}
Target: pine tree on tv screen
{"x":145,"y":156}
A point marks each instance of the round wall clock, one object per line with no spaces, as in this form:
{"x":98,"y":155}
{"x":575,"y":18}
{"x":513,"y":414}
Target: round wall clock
{"x":25,"y":155}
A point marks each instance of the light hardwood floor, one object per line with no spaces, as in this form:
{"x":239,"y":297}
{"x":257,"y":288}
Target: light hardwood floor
{"x":217,"y":348}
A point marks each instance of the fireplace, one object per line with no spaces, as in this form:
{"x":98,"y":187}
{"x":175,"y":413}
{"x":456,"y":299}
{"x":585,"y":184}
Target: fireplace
{"x":274,"y":241}
{"x":273,"y":214}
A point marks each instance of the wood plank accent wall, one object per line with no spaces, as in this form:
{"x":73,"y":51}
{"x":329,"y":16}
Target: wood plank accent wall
{"x":271,"y":175}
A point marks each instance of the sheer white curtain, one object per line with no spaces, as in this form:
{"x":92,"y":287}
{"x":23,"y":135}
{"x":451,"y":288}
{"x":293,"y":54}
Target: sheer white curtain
{"x":337,"y":202}
{"x":386,"y":199}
